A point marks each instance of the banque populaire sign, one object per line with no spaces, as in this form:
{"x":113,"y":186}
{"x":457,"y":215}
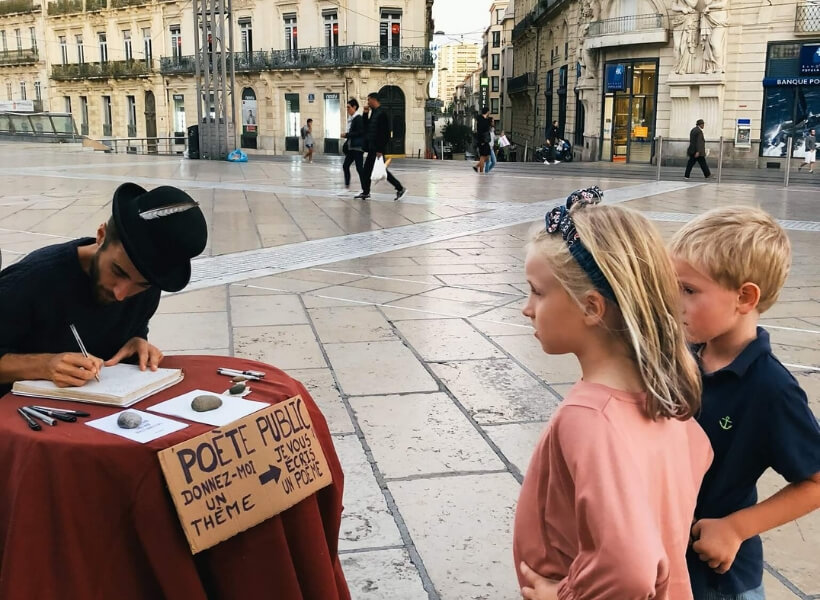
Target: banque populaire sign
{"x":234,"y":477}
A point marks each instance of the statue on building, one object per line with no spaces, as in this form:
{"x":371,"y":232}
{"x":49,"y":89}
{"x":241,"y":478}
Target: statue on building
{"x":685,"y":23}
{"x":713,"y":23}
{"x":587,"y":58}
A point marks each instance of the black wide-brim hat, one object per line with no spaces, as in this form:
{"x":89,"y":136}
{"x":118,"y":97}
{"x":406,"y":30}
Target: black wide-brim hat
{"x":161,"y":231}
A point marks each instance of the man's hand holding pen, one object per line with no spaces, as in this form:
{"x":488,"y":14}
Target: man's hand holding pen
{"x":72,"y":369}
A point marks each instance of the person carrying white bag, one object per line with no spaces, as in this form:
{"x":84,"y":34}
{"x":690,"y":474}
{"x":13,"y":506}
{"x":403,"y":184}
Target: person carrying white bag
{"x":377,"y":125}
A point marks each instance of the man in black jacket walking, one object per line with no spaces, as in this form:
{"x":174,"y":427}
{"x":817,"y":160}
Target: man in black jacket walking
{"x":697,"y":151}
{"x":377,"y":125}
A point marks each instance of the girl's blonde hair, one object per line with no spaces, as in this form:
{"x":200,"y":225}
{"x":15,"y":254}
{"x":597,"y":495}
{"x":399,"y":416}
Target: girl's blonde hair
{"x":631,"y":255}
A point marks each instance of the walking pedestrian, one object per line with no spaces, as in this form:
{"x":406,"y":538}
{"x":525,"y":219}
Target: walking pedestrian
{"x":492,"y":159}
{"x":377,"y":126}
{"x":810,"y":149}
{"x":482,"y":139}
{"x":354,"y":141}
{"x":504,"y":146}
{"x":697,"y":151}
{"x":552,"y":142}
{"x":307,"y":135}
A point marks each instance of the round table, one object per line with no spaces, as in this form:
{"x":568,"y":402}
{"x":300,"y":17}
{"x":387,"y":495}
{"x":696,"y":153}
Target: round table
{"x":86,"y":515}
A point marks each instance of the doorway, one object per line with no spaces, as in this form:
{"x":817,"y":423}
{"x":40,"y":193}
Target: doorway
{"x":151,"y":122}
{"x":392,"y":100}
{"x":629,"y":108}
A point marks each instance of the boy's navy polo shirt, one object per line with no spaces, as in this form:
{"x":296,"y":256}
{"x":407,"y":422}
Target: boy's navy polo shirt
{"x":756,"y":416}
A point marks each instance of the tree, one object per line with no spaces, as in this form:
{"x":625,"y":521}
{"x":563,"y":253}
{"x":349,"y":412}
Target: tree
{"x":458,"y":136}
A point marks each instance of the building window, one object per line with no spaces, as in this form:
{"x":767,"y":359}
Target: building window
{"x":494,"y":80}
{"x":291,"y":43}
{"x":496,"y":39}
{"x":67,"y":103}
{"x":499,"y":16}
{"x":129,"y":52}
{"x":106,"y":111}
{"x":33,"y":36}
{"x":580,"y":119}
{"x":147,"y":45}
{"x":23,"y":95}
{"x":38,"y":91}
{"x":179,"y":113}
{"x":8,"y":91}
{"x":3,"y":41}
{"x":80,"y":50}
{"x":132,"y":116}
{"x":63,"y":49}
{"x":331,"y":29}
{"x":84,"y":115}
{"x":19,"y":37}
{"x":494,"y":106}
{"x":390,"y":30}
{"x":566,"y":50}
{"x":176,"y":41}
{"x":103,"y":41}
{"x":496,"y":62}
{"x":246,"y":34}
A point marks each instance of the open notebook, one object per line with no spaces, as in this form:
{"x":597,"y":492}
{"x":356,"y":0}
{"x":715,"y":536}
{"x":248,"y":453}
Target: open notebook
{"x":120,"y":385}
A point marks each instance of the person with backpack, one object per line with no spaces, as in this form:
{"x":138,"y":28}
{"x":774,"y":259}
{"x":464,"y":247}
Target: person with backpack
{"x":307,"y":136}
{"x":354,"y":141}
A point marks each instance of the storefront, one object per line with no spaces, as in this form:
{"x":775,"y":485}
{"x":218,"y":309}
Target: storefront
{"x":791,"y":101}
{"x":629,"y":108}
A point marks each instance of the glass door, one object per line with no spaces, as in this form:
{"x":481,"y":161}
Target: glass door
{"x":620,"y":128}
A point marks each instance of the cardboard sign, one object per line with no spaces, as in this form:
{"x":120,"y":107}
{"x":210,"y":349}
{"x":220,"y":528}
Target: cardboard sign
{"x":234,"y":477}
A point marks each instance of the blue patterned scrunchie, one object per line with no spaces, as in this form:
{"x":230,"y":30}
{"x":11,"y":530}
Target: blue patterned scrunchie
{"x":559,"y":220}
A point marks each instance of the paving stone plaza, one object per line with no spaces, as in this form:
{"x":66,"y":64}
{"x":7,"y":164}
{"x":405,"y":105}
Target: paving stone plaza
{"x":404,"y":321}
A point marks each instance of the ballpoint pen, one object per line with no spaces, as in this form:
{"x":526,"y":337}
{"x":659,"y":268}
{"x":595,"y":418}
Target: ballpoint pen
{"x":55,"y":414}
{"x":38,"y":415}
{"x":82,"y":346}
{"x":75,"y":413}
{"x":34,"y":425}
{"x":251,"y":374}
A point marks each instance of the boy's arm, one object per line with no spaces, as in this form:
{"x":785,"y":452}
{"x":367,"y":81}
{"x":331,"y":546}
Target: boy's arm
{"x":718,"y":540}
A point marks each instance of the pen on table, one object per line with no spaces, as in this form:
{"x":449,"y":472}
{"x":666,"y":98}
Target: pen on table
{"x":81,"y":345}
{"x":257,"y":375}
{"x":38,"y":415}
{"x":75,"y":413}
{"x":55,"y":414}
{"x":34,"y":425}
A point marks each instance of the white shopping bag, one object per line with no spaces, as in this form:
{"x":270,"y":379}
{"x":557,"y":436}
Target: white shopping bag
{"x":379,"y":170}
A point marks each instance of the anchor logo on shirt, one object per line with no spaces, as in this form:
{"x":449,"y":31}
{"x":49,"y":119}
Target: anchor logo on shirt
{"x":725,"y":423}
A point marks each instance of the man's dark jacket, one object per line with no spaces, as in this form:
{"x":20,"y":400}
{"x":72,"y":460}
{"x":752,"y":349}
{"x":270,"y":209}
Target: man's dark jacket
{"x":377,"y":125}
{"x":696,"y":142}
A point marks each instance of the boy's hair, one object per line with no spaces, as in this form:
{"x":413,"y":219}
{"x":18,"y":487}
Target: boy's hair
{"x":737,"y":245}
{"x":631,"y":255}
{"x":354,"y":103}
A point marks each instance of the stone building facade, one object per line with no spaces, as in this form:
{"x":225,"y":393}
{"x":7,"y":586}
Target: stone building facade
{"x":491,"y":57}
{"x":125,"y":68}
{"x":618,"y":73}
{"x":455,"y":61}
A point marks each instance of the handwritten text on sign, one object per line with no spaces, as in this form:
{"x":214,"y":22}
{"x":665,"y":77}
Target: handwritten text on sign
{"x":234,"y":477}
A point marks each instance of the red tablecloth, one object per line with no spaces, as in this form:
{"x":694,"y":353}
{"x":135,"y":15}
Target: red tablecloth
{"x":86,"y":515}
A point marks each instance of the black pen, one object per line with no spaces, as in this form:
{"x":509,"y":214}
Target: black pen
{"x":31,"y":422}
{"x":38,"y":415}
{"x":65,"y":411}
{"x":56,"y":414}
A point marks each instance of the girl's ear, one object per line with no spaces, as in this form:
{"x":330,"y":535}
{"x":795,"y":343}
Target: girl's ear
{"x":748,"y":298}
{"x":101,"y":233}
{"x":594,"y":308}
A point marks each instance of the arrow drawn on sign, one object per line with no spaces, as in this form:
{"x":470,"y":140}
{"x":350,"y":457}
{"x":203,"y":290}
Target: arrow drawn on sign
{"x":272,"y":474}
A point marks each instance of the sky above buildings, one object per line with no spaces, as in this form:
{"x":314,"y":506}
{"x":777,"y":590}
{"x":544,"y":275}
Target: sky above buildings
{"x":461,"y":17}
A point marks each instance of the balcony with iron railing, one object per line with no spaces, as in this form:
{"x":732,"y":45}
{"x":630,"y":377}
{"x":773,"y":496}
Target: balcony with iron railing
{"x":10,"y":7}
{"x":310,"y":58}
{"x":65,"y":7}
{"x":629,"y":30}
{"x":115,"y":69}
{"x":807,"y":19}
{"x":127,"y":3}
{"x":95,"y":5}
{"x":521,"y":84}
{"x":18,"y":57}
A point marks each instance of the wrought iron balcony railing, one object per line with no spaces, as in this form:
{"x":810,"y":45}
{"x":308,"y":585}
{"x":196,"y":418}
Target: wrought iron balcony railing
{"x":311,"y":58}
{"x":115,"y":69}
{"x":626,"y":24}
{"x":18,"y":57}
{"x":8,"y":7}
{"x":807,"y":19}
{"x":95,"y":5}
{"x":126,"y":3}
{"x":517,"y":85}
{"x":65,"y":7}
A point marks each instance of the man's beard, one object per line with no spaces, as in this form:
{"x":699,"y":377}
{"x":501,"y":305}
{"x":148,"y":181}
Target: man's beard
{"x":101,"y":295}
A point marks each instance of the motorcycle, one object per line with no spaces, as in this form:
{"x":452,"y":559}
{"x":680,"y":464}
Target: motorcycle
{"x":563,"y":152}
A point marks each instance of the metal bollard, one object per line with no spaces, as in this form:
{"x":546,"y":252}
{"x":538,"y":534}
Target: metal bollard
{"x":442,"y":148}
{"x":659,"y":153}
{"x":526,"y":147}
{"x":720,"y":159}
{"x":788,"y":162}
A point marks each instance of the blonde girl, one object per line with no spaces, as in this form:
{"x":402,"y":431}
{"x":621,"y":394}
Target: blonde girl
{"x":607,"y":501}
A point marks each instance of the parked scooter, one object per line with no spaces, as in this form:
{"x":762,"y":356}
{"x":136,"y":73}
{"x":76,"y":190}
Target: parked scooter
{"x":563,"y":152}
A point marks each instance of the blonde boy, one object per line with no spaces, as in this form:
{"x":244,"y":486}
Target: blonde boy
{"x":731,"y":264}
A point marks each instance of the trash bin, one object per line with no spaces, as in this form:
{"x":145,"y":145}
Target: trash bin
{"x":193,"y":141}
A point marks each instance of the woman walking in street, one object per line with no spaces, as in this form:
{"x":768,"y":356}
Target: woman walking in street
{"x":354,"y":140}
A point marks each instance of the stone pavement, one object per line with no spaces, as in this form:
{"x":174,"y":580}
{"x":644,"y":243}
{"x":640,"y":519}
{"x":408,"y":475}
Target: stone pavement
{"x":403,"y":319}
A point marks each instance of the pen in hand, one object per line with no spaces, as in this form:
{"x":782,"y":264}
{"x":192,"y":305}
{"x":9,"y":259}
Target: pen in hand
{"x":82,"y":346}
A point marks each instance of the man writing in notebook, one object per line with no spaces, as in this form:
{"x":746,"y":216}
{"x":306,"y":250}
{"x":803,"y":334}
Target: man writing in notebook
{"x":108,"y":287}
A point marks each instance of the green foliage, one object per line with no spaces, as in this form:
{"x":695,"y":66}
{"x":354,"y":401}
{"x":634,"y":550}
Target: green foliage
{"x":458,"y":136}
